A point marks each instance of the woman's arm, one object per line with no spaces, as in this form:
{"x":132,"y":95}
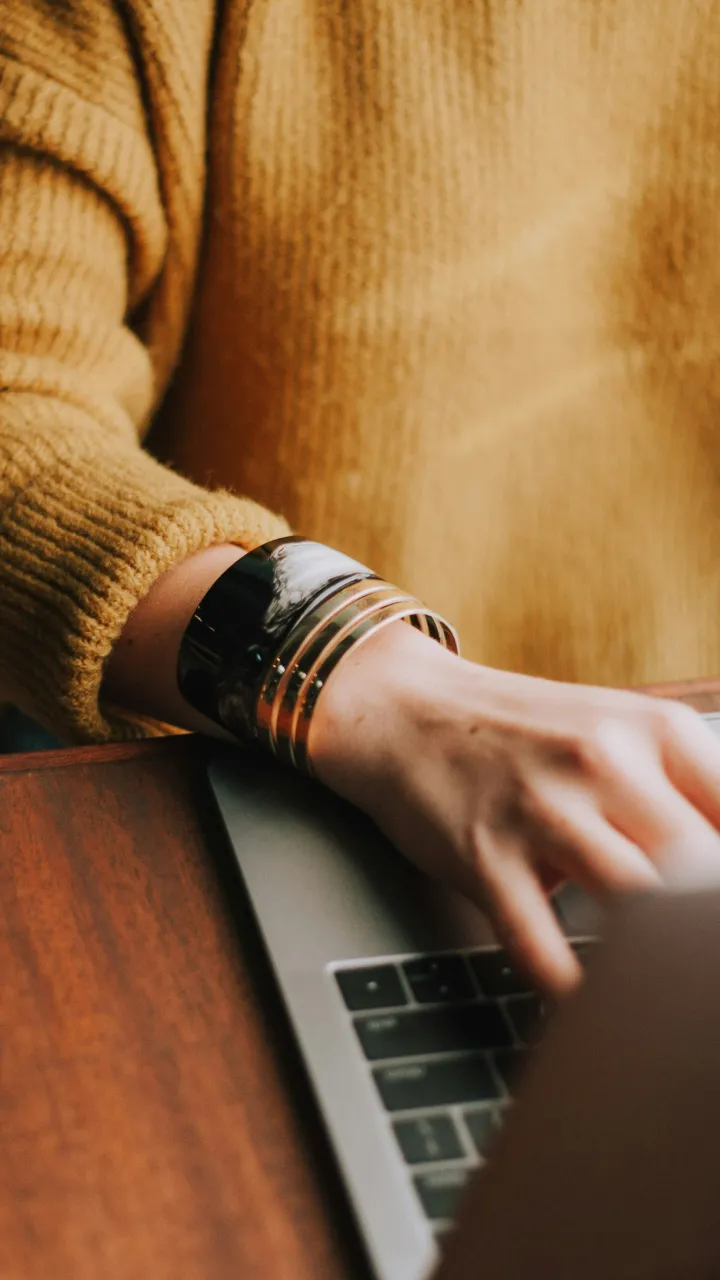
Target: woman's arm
{"x":498,"y":783}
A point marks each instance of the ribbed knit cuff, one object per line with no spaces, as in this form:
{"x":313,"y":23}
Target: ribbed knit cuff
{"x":91,"y":526}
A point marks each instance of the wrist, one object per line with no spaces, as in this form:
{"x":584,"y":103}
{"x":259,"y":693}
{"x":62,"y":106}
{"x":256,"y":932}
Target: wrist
{"x":362,"y":726}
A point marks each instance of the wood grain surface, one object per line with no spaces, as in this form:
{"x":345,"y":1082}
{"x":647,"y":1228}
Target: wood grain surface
{"x":154,"y":1120}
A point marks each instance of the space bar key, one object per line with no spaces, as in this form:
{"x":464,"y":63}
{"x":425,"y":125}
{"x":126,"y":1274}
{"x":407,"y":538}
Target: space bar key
{"x":408,"y":1085}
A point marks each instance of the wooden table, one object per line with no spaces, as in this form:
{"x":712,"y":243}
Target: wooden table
{"x":154,"y":1122}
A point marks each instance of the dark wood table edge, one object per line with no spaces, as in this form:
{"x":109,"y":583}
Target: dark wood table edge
{"x":103,"y":753}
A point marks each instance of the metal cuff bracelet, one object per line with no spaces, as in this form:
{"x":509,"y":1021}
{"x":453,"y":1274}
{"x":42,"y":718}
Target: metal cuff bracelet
{"x":266,"y":636}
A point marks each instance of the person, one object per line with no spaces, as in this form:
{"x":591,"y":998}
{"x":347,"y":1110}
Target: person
{"x":435,"y":286}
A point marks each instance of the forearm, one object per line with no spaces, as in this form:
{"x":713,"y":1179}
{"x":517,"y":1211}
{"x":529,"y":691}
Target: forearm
{"x":141,"y":674}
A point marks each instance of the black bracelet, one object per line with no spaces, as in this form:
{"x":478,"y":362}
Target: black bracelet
{"x":243,"y":619}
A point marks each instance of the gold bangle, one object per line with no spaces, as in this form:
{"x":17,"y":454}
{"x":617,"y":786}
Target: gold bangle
{"x":334,"y":627}
{"x":411,"y":612}
{"x":315,"y":654}
{"x":314,"y":647}
{"x":286,"y":665}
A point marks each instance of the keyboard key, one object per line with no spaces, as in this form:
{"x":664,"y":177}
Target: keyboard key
{"x":441,"y":1191}
{"x":415,"y":1085}
{"x":526,"y":1014}
{"x":376,"y":987}
{"x":510,"y":1063}
{"x":420,"y":1031}
{"x":439,"y":979}
{"x":585,"y":951}
{"x":498,"y":976}
{"x":427,"y":1138}
{"x":484,"y":1127}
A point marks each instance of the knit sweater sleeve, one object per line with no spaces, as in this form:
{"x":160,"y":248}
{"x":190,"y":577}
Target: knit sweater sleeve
{"x":95,"y":273}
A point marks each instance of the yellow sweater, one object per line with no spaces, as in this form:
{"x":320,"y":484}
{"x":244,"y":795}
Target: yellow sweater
{"x":446,"y":282}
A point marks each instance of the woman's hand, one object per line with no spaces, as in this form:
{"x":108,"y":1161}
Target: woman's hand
{"x":500,"y":784}
{"x":504,"y":785}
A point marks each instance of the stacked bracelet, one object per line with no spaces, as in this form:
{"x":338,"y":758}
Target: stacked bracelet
{"x":265,"y":638}
{"x":313,"y":649}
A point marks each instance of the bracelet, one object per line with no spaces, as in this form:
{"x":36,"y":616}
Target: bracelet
{"x":266,"y":637}
{"x":243,"y":619}
{"x":288,"y":669}
{"x":431,"y":624}
{"x":289,"y":695}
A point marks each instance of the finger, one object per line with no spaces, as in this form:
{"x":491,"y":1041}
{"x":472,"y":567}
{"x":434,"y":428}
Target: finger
{"x":589,"y":849}
{"x":666,"y":825}
{"x":551,"y":877}
{"x":691,"y":755}
{"x":524,"y":917}
{"x":637,"y":797}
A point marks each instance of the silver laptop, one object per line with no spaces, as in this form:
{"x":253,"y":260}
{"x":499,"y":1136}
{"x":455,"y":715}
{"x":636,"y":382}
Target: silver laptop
{"x":413,"y":1024}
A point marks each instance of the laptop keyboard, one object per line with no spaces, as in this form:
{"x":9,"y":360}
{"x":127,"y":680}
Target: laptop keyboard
{"x":445,"y":1038}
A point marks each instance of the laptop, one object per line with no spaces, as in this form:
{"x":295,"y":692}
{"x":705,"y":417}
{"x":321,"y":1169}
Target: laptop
{"x":413,"y":1024}
{"x":608,"y":1166}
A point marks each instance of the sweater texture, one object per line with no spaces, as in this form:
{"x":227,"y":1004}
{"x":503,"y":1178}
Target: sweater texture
{"x":435,"y":283}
